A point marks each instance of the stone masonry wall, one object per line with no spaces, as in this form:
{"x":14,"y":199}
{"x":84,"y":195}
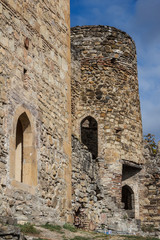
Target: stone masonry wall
{"x":84,"y":184}
{"x":150,"y":189}
{"x":35,"y":78}
{"x":10,"y":232}
{"x":93,"y":206}
{"x":105,"y":86}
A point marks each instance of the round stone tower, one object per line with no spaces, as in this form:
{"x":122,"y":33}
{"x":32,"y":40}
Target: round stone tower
{"x":105,"y":89}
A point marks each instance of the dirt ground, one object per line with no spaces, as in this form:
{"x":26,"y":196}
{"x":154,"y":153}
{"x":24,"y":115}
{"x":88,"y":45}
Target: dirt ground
{"x":46,"y":234}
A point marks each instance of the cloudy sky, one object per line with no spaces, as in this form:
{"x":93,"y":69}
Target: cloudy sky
{"x":141,"y":20}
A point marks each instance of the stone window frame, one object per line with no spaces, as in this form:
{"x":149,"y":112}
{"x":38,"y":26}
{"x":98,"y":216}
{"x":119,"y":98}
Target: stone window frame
{"x":33,"y":176}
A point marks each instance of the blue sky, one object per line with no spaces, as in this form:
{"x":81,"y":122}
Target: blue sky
{"x":141,"y":20}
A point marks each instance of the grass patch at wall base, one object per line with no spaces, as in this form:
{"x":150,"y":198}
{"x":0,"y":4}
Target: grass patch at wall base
{"x":70,"y":227}
{"x":80,"y":238}
{"x":28,"y":228}
{"x":53,"y":228}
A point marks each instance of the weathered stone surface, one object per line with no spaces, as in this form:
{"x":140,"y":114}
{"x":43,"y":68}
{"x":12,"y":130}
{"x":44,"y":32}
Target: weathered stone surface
{"x":35,"y":77}
{"x":92,"y":201}
{"x":150,"y":189}
{"x":10,"y":232}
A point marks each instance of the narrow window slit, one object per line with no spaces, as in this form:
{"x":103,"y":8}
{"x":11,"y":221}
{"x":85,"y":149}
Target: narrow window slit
{"x":113,"y":60}
{"x":26,"y":43}
{"x":89,"y":135}
{"x":24,"y":71}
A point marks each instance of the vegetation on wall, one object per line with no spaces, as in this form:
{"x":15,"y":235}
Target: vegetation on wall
{"x":150,"y":140}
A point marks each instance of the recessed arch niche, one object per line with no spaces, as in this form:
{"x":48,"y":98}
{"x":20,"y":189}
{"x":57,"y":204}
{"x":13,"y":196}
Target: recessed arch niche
{"x":23,"y":162}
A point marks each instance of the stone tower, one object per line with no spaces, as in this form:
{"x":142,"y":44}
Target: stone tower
{"x":108,"y":90}
{"x":35,"y":119}
{"x":106,"y":114}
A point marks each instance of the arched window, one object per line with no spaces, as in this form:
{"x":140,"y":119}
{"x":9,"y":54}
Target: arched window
{"x":24,"y":151}
{"x":128,"y":200}
{"x":19,"y":153}
{"x":89,"y":135}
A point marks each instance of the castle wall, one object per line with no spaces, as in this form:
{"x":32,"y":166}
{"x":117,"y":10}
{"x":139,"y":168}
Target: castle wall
{"x":35,"y":121}
{"x":35,"y":80}
{"x":149,"y":192}
{"x":105,"y":87}
{"x":93,"y":205}
{"x":85,"y":188}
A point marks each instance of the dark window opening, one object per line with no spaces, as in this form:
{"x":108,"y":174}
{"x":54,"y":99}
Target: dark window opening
{"x":98,"y":193}
{"x":26,"y":43}
{"x":127,"y":197}
{"x":128,"y":200}
{"x":19,"y":151}
{"x":113,"y":60}
{"x":24,"y":71}
{"x":118,"y":130}
{"x":89,"y":135}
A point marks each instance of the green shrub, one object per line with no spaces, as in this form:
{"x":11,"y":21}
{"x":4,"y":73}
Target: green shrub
{"x":40,"y":239}
{"x":139,"y":238}
{"x":101,"y":236}
{"x":28,"y":228}
{"x":54,"y":228}
{"x":64,"y":238}
{"x":80,"y":238}
{"x":150,"y":140}
{"x":70,"y":227}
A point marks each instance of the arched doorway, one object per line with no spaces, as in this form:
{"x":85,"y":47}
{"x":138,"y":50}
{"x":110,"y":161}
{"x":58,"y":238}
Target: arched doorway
{"x":128,"y":200}
{"x":89,"y":135}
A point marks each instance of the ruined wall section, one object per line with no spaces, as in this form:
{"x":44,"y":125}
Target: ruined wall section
{"x":84,"y":184}
{"x":93,"y":206}
{"x":35,"y":77}
{"x":107,"y":90}
{"x":149,"y":192}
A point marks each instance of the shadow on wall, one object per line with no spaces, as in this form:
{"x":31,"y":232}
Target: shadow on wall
{"x":129,"y":171}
